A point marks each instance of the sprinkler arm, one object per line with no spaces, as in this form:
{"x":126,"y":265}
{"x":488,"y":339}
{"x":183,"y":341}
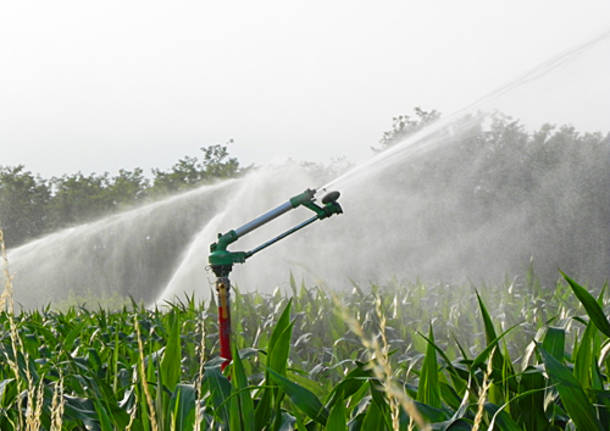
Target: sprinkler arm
{"x":221,"y":260}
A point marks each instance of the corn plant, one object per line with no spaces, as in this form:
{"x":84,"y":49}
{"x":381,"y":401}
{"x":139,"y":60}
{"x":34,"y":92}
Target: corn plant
{"x":393,"y":356}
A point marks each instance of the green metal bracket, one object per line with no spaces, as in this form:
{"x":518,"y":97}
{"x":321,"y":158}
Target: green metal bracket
{"x":221,"y":260}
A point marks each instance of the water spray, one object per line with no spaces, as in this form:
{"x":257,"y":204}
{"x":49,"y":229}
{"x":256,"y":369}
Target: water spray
{"x":221,"y":260}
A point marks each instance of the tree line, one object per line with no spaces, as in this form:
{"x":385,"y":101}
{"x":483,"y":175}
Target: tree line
{"x":542,"y":193}
{"x":549,"y":187}
{"x":31,"y":206}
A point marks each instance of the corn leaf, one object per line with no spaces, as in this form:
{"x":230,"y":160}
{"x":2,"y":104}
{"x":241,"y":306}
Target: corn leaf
{"x":595,"y":312}
{"x":584,"y":356}
{"x":242,"y":407}
{"x":102,"y":414}
{"x":481,"y":357}
{"x":373,"y":419}
{"x":572,"y":395}
{"x":305,"y":400}
{"x":336,"y":417}
{"x":490,"y":332}
{"x":183,"y":400}
{"x":531,"y":406}
{"x":554,"y":342}
{"x":428,"y":391}
{"x":220,"y":389}
{"x":172,"y":356}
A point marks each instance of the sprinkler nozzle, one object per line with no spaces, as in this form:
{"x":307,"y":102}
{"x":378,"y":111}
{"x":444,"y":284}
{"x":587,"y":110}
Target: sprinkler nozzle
{"x":330,"y":197}
{"x":331,"y":206}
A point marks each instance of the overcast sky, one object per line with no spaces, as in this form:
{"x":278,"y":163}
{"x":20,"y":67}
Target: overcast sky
{"x":96,"y":86}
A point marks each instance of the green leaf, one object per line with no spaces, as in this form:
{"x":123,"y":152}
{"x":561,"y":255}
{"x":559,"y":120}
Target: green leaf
{"x":278,"y":355}
{"x":490,"y":332}
{"x":279,"y":328}
{"x":8,"y":391}
{"x":531,"y":406}
{"x":584,"y":357}
{"x":242,"y":407}
{"x":554,"y":342}
{"x":572,"y":395}
{"x":82,"y":410}
{"x":595,"y":312}
{"x":336,"y":417}
{"x":431,"y":414}
{"x":454,"y":425}
{"x":115,"y":361}
{"x":220,"y":389}
{"x":501,"y":420}
{"x":458,"y":382}
{"x":373,"y":419}
{"x":603,"y":407}
{"x":350,"y":384}
{"x":172,"y":356}
{"x":428,"y":391}
{"x":449,"y":395}
{"x":305,"y":400}
{"x":262,"y":413}
{"x":102,"y":414}
{"x":500,"y":365}
{"x":184,"y":406}
{"x":483,"y":355}
{"x":379,"y":397}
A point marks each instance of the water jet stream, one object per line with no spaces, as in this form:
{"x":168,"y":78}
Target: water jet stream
{"x":471,"y":109}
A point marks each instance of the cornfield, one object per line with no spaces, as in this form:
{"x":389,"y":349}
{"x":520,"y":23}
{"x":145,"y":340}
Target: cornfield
{"x":396,"y":356}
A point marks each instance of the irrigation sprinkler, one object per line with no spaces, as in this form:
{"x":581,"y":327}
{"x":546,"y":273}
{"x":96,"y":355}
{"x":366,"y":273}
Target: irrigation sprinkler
{"x":221,"y":260}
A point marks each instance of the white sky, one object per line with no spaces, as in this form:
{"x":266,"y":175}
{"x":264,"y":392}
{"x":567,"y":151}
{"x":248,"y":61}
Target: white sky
{"x":96,"y":86}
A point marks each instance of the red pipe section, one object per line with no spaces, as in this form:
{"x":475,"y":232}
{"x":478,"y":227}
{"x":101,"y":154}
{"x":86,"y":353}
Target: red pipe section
{"x":223,"y":286}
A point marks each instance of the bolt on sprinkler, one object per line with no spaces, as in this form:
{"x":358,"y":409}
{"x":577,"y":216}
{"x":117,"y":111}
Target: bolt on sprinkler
{"x":221,"y":260}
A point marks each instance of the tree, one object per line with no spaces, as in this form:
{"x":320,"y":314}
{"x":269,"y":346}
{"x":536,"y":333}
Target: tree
{"x":190,"y":171}
{"x":217,"y":163}
{"x":405,"y":125}
{"x":23,"y":204}
{"x":128,"y":188}
{"x":79,"y":197}
{"x":184,"y":174}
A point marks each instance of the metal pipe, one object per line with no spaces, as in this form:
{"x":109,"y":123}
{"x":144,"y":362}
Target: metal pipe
{"x":223,"y":286}
{"x":281,"y":236}
{"x":261,"y":220}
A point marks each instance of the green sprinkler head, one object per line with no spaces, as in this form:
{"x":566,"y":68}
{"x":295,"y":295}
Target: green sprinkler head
{"x":221,"y":260}
{"x":330,"y":203}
